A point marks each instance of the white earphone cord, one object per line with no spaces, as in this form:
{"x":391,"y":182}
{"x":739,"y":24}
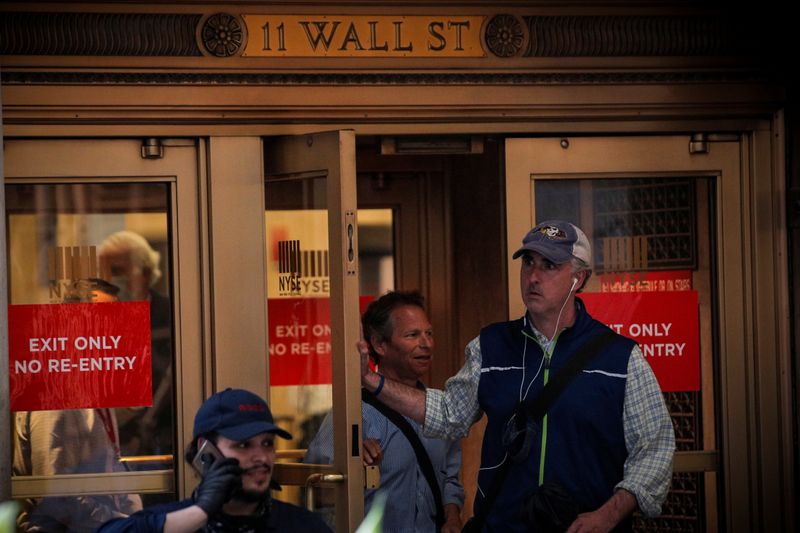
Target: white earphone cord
{"x":558,"y":320}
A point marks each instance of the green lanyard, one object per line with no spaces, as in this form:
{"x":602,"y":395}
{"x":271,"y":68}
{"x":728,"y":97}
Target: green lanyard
{"x":547,"y":356}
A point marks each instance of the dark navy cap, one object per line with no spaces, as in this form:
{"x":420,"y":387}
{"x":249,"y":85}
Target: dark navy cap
{"x":236,"y":414}
{"x":558,"y":241}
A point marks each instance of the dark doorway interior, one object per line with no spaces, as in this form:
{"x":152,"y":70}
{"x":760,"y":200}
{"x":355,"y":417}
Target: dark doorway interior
{"x":447,"y":202}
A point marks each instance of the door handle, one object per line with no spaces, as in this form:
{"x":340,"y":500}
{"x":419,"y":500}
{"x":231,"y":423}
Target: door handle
{"x":372,"y":480}
{"x":351,"y":260}
{"x":318,"y":479}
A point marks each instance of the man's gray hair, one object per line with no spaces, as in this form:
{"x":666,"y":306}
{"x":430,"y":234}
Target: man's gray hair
{"x":579,"y":265}
{"x":142,"y":254}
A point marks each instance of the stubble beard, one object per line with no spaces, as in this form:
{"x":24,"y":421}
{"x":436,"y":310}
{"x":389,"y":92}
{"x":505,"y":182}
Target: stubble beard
{"x":249,"y":496}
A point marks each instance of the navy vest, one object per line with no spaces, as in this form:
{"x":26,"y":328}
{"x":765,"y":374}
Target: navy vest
{"x":585,"y":442}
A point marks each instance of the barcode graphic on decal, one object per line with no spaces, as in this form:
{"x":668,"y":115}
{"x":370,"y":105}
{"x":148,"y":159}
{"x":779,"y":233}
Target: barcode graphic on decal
{"x":306,"y":263}
{"x":71,"y":262}
{"x":289,"y":257}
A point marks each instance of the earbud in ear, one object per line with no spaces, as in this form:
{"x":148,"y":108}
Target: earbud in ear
{"x":574,"y":282}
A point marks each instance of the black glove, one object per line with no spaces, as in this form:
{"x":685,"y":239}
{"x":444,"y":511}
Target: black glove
{"x":219,"y":482}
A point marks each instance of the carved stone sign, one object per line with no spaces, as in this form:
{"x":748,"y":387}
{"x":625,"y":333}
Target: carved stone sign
{"x":363,"y":36}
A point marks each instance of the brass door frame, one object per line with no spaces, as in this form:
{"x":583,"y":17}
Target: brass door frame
{"x":754,"y":375}
{"x":768,"y":486}
{"x":235,"y":219}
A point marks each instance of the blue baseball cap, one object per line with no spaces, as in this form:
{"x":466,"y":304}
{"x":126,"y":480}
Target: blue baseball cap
{"x":236,"y":414}
{"x":558,"y":241}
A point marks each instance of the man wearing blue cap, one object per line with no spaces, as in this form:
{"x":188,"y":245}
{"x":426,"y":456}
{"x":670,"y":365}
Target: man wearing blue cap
{"x":604,"y":447}
{"x":234,"y":445}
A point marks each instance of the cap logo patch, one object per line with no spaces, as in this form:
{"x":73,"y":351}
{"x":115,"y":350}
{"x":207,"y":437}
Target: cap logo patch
{"x":552,"y":232}
{"x":251,"y":407}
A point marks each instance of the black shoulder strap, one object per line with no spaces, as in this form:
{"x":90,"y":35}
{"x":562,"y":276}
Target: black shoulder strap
{"x":538,"y":408}
{"x":422,"y":455}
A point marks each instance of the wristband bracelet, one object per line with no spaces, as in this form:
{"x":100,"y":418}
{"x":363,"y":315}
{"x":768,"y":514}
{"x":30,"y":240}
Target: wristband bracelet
{"x":380,"y":385}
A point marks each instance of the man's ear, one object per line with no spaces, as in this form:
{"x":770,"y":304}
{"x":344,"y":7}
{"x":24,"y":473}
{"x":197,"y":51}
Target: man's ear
{"x":583,"y":279}
{"x":377,"y":344}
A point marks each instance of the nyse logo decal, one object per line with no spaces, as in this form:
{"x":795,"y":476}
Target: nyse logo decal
{"x":302,"y":272}
{"x":65,"y":264}
{"x":289,"y":267}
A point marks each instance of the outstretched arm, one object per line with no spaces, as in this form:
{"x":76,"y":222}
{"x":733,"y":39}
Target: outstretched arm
{"x":408,"y":401}
{"x":444,"y":414}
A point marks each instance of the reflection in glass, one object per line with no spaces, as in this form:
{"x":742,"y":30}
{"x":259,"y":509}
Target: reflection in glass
{"x":298,"y":293}
{"x":658,"y":211}
{"x":129,"y":262}
{"x":92,"y":244}
{"x":298,"y":287}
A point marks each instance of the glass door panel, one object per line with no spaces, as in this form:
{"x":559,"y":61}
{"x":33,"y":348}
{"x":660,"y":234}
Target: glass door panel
{"x":90,"y":250}
{"x":313,"y":324}
{"x":298,"y":294}
{"x":92,"y":328}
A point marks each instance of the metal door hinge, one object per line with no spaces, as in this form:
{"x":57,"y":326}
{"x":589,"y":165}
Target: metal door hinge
{"x":152,"y":148}
{"x":699,"y":142}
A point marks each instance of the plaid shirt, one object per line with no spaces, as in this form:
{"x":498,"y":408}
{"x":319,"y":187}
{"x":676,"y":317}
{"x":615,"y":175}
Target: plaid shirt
{"x":649,"y":435}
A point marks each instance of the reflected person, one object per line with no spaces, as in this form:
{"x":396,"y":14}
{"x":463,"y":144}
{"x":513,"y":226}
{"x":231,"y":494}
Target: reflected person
{"x":74,"y":441}
{"x":128,"y":261}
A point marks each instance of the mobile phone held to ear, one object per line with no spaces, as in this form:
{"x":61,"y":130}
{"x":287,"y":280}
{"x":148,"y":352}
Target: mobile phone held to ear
{"x":206,"y":455}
